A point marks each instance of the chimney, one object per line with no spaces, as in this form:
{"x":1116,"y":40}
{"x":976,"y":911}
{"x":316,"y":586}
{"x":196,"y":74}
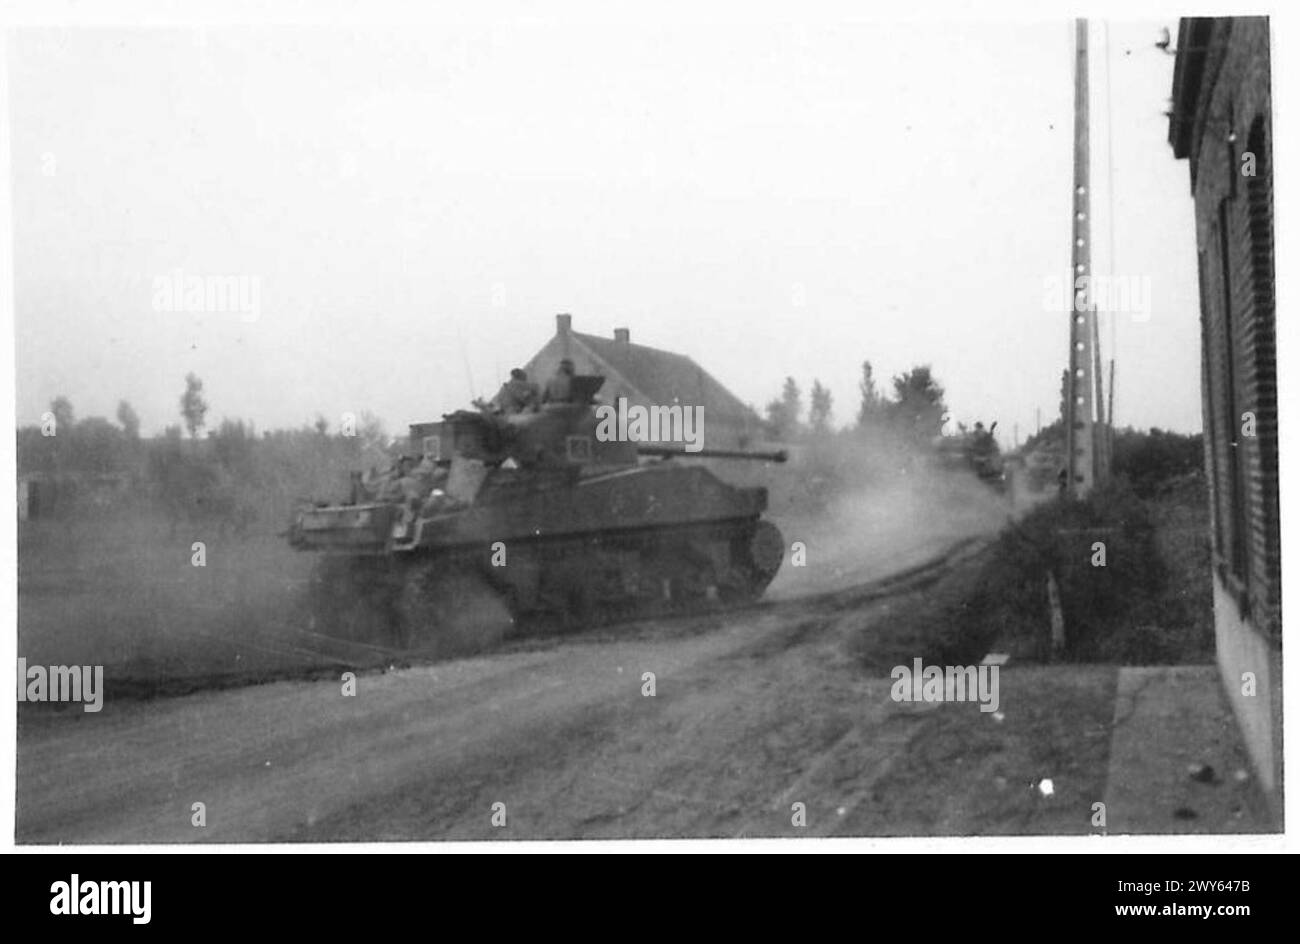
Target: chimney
{"x":563,"y":324}
{"x":622,"y":335}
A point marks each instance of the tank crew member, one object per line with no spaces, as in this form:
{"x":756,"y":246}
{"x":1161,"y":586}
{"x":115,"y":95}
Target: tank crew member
{"x":414,"y":485}
{"x":389,"y":488}
{"x":559,"y":389}
{"x":517,"y":395}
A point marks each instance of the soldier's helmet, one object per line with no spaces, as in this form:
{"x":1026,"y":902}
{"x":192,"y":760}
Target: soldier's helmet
{"x":566,"y":366}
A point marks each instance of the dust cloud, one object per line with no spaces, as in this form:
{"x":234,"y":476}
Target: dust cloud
{"x":877,"y":511}
{"x":118,"y":586}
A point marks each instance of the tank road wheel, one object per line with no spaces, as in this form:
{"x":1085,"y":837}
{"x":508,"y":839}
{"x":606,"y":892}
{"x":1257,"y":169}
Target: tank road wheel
{"x":417,"y":610}
{"x":347,"y":598}
{"x":567,"y":599}
{"x":689,"y":573}
{"x":580,"y":609}
{"x":755,"y":560}
{"x":445,"y":612}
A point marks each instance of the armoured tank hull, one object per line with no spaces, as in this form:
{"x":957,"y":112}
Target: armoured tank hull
{"x":976,"y":452}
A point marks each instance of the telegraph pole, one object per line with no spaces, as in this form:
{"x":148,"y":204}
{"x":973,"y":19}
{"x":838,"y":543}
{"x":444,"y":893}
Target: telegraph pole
{"x":1080,"y":402}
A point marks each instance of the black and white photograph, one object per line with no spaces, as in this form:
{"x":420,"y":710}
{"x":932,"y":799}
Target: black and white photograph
{"x":505,"y":426}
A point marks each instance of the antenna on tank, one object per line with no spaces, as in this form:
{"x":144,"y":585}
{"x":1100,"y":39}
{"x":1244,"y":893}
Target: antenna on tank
{"x":464,"y":356}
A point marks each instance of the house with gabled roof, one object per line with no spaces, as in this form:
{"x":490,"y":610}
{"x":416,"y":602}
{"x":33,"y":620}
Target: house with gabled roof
{"x":647,"y":376}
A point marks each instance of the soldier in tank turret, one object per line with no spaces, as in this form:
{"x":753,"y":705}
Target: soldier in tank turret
{"x":559,"y":389}
{"x":517,"y":395}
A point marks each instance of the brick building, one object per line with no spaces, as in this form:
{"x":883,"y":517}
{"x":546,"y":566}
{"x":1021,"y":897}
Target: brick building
{"x":649,"y":377}
{"x":1222,"y":124}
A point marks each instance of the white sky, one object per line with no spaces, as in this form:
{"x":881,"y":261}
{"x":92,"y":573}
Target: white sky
{"x":418,"y":203}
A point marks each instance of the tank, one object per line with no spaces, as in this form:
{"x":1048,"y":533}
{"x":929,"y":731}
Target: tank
{"x":536,"y":511}
{"x":977,"y":451}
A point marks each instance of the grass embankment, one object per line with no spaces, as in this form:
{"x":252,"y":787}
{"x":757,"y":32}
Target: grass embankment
{"x":1147,"y":604}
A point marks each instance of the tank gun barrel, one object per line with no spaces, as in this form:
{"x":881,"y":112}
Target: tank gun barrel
{"x":667,"y":452}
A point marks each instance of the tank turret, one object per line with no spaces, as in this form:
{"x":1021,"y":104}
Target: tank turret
{"x":555,"y":434}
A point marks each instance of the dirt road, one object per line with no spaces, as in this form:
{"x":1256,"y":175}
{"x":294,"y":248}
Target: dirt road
{"x":752,"y":712}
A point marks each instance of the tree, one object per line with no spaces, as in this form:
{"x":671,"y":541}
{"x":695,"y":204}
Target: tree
{"x":322,"y":425}
{"x":372,"y":439}
{"x":872,"y":404}
{"x":60,"y":451}
{"x":64,"y":417}
{"x":1051,"y":434}
{"x":918,"y":408}
{"x":792,"y":400}
{"x":783,"y":414}
{"x":232,"y":444}
{"x":371,"y":432}
{"x":98,"y":446}
{"x":193,"y":406}
{"x":819,"y":410}
{"x":128,"y":419}
{"x":1156,"y":457}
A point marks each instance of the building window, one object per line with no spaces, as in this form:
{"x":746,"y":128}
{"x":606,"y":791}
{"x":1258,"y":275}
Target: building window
{"x":1232,"y":504}
{"x":1209,"y":396}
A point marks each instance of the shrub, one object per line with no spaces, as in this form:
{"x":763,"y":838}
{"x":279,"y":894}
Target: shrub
{"x":1102,"y":605}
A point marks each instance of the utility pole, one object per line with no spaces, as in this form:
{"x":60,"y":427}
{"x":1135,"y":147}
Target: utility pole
{"x":1080,"y":421}
{"x":1110,"y":420}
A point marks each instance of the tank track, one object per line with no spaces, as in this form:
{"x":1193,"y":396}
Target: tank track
{"x":457,"y":600}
